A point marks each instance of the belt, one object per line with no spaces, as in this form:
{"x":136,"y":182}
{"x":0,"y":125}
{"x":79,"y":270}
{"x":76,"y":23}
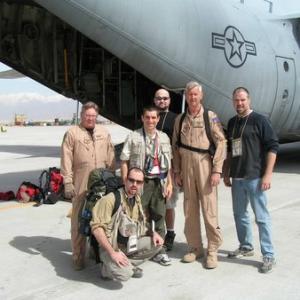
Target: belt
{"x":156,"y":180}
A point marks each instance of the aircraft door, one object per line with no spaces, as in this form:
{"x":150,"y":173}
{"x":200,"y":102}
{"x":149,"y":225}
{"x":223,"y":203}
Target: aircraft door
{"x":285,"y":91}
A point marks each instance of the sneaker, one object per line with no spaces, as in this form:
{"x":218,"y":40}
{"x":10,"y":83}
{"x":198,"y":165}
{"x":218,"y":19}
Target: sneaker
{"x":267,"y":265}
{"x":240,"y":252}
{"x":162,"y":258}
{"x":137,"y":273}
{"x":169,"y":240}
{"x":193,"y":254}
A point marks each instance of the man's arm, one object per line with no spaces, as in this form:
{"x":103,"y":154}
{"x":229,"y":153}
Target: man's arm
{"x":226,"y":170}
{"x":176,"y":156}
{"x":117,"y":256}
{"x":124,"y":170}
{"x":66,"y":164}
{"x":270,"y":163}
{"x":169,"y":186}
{"x":111,"y":161}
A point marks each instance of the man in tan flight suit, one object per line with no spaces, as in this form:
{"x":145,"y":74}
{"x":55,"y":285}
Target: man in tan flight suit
{"x":85,"y":147}
{"x":199,"y":173}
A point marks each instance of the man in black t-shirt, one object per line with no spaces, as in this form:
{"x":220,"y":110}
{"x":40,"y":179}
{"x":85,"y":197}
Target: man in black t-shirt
{"x":252,"y":150}
{"x":162,"y":101}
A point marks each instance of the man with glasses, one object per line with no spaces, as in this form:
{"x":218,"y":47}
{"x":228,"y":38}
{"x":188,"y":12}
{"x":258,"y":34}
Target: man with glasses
{"x":124,"y":239}
{"x":149,"y":149}
{"x":166,"y":122}
{"x":85,"y":147}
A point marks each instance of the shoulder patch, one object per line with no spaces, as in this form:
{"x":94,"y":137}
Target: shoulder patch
{"x":215,"y":120}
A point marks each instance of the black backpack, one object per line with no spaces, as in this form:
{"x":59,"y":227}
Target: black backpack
{"x":51,"y":185}
{"x":101,"y":182}
{"x":212,"y":148}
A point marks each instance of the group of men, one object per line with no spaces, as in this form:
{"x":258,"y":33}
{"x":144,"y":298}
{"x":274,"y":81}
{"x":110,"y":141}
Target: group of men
{"x":169,"y":153}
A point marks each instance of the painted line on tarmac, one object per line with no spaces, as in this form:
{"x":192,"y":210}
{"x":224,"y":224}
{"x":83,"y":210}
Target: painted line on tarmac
{"x":17,"y":205}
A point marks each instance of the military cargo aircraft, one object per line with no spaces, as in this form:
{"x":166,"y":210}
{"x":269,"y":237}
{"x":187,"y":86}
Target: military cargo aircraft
{"x":118,"y":52}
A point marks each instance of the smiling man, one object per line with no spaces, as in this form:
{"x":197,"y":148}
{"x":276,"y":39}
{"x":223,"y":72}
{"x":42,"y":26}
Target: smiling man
{"x":198,"y":171}
{"x":150,"y":150}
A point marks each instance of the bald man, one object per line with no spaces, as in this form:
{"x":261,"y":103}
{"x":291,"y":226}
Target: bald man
{"x":162,"y":101}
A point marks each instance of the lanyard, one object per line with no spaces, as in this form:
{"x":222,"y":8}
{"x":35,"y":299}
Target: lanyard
{"x":243,"y":128}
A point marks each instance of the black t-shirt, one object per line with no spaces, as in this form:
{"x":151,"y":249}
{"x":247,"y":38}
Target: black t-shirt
{"x":258,"y":138}
{"x":166,"y":123}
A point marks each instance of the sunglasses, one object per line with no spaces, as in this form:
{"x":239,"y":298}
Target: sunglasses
{"x":162,"y":98}
{"x":132,"y":181}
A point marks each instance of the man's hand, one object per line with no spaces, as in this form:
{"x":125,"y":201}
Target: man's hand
{"x":266,"y":182}
{"x":178,"y":179}
{"x":168,"y":191}
{"x":227,"y":181}
{"x":215,"y":179}
{"x":69,"y":190}
{"x":119,"y":258}
{"x":157,"y":239}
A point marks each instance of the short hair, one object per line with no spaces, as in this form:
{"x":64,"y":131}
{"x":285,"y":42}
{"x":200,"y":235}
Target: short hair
{"x":89,"y":105}
{"x":137,"y":169}
{"x":240,"y":89}
{"x":192,"y":84}
{"x":150,"y":108}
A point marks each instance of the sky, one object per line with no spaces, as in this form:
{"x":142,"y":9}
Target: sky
{"x":37,"y":102}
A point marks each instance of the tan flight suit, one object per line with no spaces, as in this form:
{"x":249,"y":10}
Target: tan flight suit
{"x":196,"y":169}
{"x":80,"y":154}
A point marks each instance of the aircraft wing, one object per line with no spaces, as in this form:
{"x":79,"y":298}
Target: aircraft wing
{"x":10,"y":74}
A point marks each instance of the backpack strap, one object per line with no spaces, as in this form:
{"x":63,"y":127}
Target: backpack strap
{"x":117,"y":195}
{"x":207,"y":130}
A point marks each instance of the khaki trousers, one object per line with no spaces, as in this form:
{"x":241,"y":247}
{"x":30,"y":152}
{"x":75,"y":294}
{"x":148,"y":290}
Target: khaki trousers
{"x":78,"y":240}
{"x":199,"y":194}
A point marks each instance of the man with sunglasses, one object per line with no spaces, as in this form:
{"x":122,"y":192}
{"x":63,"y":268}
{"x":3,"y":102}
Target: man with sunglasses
{"x":166,"y":122}
{"x":124,"y":239}
{"x":150,"y":150}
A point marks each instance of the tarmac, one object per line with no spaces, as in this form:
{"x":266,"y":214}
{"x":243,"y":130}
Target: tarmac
{"x":35,"y":241}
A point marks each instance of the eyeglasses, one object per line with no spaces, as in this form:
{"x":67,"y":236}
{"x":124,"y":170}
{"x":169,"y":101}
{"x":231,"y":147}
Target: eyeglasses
{"x":90,"y":116}
{"x":132,"y":181}
{"x":162,"y":98}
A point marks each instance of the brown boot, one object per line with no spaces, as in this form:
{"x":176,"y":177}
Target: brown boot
{"x":211,"y":260}
{"x":193,"y":254}
{"x":78,"y":265}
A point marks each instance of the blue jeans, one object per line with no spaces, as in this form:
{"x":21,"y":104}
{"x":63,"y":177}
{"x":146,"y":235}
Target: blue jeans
{"x":243,"y":191}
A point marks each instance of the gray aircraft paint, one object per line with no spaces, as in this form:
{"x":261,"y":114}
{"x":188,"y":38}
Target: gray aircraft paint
{"x":222,"y":44}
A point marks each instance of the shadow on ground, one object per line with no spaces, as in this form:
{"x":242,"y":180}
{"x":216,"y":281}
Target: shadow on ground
{"x":32,"y":151}
{"x":57,"y":252}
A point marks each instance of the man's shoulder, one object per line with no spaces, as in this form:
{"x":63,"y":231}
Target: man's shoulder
{"x":258,"y":116}
{"x":73,"y":128}
{"x":172,"y":115}
{"x":99,"y":129}
{"x":213,"y":117}
{"x":137,"y":133}
{"x":162,"y":135}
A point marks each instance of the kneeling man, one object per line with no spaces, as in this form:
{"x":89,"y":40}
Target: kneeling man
{"x":124,"y":239}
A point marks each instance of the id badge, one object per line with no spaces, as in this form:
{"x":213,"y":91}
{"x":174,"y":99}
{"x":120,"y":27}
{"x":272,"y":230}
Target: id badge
{"x":132,"y":244}
{"x":237,"y":147}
